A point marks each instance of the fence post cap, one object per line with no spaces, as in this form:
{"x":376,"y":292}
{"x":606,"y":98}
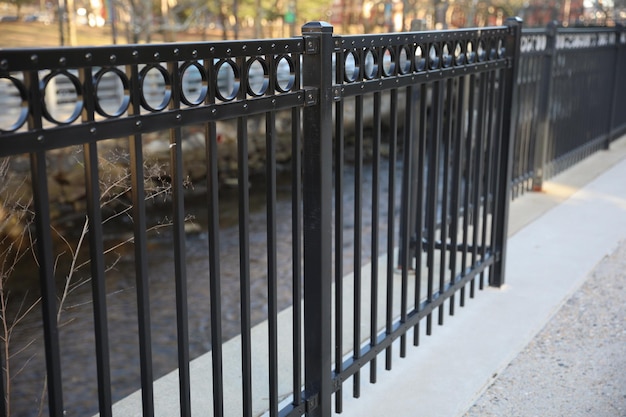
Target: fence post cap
{"x":516,"y":20}
{"x":319,"y":26}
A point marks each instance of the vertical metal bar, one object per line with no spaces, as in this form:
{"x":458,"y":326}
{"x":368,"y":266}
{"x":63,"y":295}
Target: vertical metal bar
{"x":543,"y":137}
{"x":488,"y":194}
{"x":502,"y":201}
{"x":180,"y":270}
{"x":339,"y":175}
{"x":420,"y":151}
{"x":496,"y":160}
{"x":433,"y":190}
{"x":214,"y":270}
{"x":358,"y":224}
{"x":479,"y":151}
{"x":141,"y":251}
{"x":445,"y":179}
{"x":45,"y":254}
{"x":405,"y":212}
{"x":469,"y":180}
{"x":391,"y":203}
{"x":46,"y":278}
{"x":411,"y":173}
{"x":317,"y":216}
{"x":375,"y":233}
{"x":244,"y":265}
{"x":96,"y":253}
{"x":296,"y":239}
{"x":457,"y":176}
{"x":272,"y":285}
{"x":213,"y":234}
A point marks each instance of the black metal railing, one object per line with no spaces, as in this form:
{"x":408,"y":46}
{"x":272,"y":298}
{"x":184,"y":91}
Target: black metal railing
{"x":401,"y":157}
{"x":571,"y":92}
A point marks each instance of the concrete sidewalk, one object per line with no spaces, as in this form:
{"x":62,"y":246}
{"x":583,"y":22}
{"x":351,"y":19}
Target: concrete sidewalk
{"x":558,"y":238}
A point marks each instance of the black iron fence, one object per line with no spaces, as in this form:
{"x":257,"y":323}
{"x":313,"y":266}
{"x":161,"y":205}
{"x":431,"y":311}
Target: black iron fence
{"x":571,"y":92}
{"x":400,"y":173}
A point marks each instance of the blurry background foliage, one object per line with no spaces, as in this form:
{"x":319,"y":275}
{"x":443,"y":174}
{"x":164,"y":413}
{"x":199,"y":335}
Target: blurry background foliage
{"x":91,"y":22}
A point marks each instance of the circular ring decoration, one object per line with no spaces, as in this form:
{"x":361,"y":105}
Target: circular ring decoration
{"x":22,"y":115}
{"x":285,"y":65}
{"x":166,"y":93}
{"x":420,"y":59}
{"x":501,"y":48}
{"x":104,"y":74}
{"x":493,"y":52}
{"x":227,"y":73}
{"x":481,"y":52}
{"x":370,"y":64}
{"x":459,"y":54}
{"x":389,"y":62}
{"x":404,"y":66}
{"x":351,"y":67}
{"x":60,"y":99}
{"x":256,"y":67}
{"x":470,"y":54}
{"x":188,"y":83}
{"x":446,"y":56}
{"x":433,"y":57}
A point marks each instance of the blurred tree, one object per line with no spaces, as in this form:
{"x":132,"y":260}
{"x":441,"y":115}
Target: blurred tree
{"x":18,"y":4}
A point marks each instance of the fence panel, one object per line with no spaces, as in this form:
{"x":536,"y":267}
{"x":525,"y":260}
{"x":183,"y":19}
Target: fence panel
{"x":440,"y":183}
{"x":399,"y":152}
{"x":570,"y":85}
{"x":159,"y":120}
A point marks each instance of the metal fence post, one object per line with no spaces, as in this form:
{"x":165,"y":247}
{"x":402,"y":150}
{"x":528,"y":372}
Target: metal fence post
{"x":617,"y":72}
{"x":317,"y":189}
{"x":503,"y":188}
{"x":543,"y":129}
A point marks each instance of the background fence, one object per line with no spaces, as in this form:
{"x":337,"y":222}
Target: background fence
{"x":571,"y":97}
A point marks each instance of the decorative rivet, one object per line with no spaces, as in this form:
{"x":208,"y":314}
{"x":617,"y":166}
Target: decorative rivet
{"x":135,"y":54}
{"x":88,"y":56}
{"x":34,"y":58}
{"x":176,"y":51}
{"x":244,"y":47}
{"x":156,"y":55}
{"x":40,"y":138}
{"x":112,"y":58}
{"x":4,"y":64}
{"x":245,"y":106}
{"x":178,"y":116}
{"x":212,"y":49}
{"x":194,"y":53}
{"x":213,"y":111}
{"x":62,"y":61}
{"x":92,"y":130}
{"x":228,"y":51}
{"x":138,"y":123}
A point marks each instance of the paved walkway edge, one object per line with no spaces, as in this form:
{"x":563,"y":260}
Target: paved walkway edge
{"x":548,"y":259}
